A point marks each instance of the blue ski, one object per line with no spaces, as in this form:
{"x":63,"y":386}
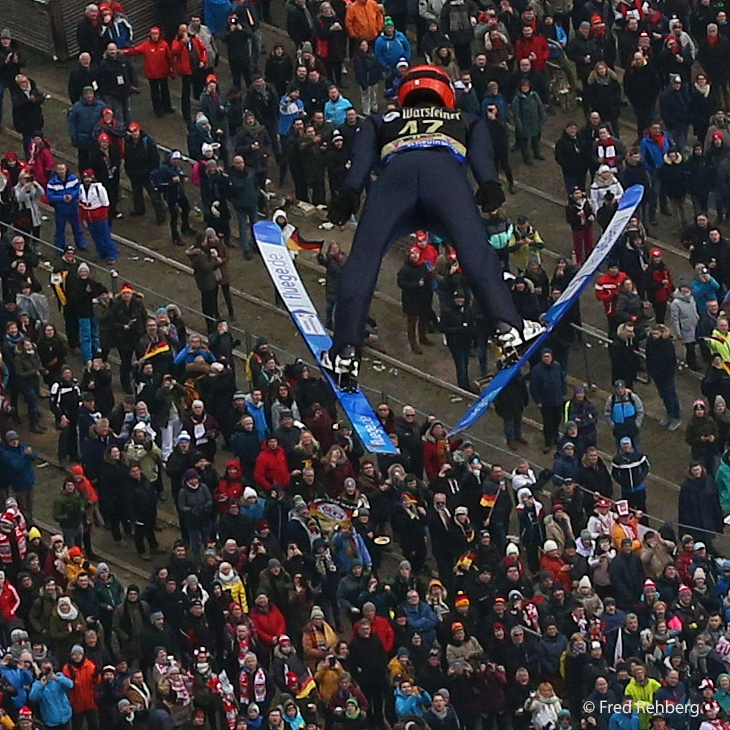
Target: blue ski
{"x":288,"y":283}
{"x":629,"y":202}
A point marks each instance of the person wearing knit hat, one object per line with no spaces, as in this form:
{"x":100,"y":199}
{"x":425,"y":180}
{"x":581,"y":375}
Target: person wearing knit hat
{"x":461,"y":600}
{"x":550,"y":546}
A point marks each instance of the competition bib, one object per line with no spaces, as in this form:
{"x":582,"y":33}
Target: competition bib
{"x":421,"y":128}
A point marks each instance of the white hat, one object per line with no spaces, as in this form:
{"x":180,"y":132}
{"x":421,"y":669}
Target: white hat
{"x":197,"y":403}
{"x":549,"y":546}
{"x":140,"y":427}
{"x":622,"y":507}
{"x":512,"y":549}
{"x":461,"y":510}
{"x":249,"y":492}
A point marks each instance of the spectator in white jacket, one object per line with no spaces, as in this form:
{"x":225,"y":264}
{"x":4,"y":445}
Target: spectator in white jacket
{"x":94,"y":210}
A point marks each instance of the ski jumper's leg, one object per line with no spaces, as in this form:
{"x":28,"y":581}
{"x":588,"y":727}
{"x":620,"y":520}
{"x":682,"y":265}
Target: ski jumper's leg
{"x":387,"y":214}
{"x":447,"y":195}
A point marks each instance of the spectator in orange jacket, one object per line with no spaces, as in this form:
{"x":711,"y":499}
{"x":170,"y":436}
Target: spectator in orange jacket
{"x":82,"y":672}
{"x":364,"y":19}
{"x":157,"y":69}
{"x":271,"y":467}
{"x":551,"y":561}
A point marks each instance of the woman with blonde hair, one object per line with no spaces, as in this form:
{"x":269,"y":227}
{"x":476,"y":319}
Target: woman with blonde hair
{"x":337,"y":468}
{"x":544,"y":705}
{"x":307,"y":452}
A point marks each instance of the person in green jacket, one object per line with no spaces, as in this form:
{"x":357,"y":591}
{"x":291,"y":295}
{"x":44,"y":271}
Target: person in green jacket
{"x":69,"y":510}
{"x":641,"y":688}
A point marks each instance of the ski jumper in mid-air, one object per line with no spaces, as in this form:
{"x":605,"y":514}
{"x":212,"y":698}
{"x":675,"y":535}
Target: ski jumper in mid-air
{"x":421,"y":151}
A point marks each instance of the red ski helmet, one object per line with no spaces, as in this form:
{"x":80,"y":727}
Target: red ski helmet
{"x":429,"y":79}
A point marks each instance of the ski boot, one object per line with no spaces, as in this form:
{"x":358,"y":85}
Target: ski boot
{"x":511,"y":342}
{"x":344,"y":367}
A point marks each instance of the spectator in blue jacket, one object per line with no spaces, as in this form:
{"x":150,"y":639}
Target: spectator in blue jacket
{"x":83,"y":117}
{"x":50,"y":693}
{"x":16,"y":460}
{"x":420,"y":617}
{"x":410,"y":700}
{"x":194,"y":349}
{"x":626,"y":718}
{"x":675,"y":693}
{"x":336,"y":107}
{"x":20,"y":679}
{"x":655,"y":143}
{"x":63,"y":194}
{"x":348,"y":545}
{"x":390,"y":47}
{"x":547,"y":388}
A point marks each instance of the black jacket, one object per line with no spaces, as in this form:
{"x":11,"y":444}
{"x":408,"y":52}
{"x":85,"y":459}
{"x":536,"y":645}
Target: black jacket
{"x":459,"y":326}
{"x":627,"y":579}
{"x":572,"y":155}
{"x":79,"y":77}
{"x":264,"y":104}
{"x":414,"y":282}
{"x":27,"y":112}
{"x":116,"y":77}
{"x":140,"y":157}
{"x":144,"y":501}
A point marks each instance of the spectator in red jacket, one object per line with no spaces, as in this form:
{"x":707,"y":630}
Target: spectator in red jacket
{"x":268,"y":620}
{"x":9,"y":599}
{"x":190,"y":57}
{"x":271,"y":467}
{"x":82,"y":672}
{"x":658,"y":284}
{"x":229,"y":487}
{"x":380,"y":626}
{"x":607,"y":288}
{"x":534,"y":47}
{"x":157,"y":69}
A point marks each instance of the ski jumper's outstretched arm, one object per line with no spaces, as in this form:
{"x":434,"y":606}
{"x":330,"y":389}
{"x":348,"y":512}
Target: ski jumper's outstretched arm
{"x":480,"y":157}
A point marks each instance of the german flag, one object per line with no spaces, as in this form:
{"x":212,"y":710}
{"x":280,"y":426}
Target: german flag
{"x":157,"y":349}
{"x":488,"y":500}
{"x":296,"y":243}
{"x":308,"y":686}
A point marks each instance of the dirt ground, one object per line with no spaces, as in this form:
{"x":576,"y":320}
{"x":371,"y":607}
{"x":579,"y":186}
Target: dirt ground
{"x":668,"y":453}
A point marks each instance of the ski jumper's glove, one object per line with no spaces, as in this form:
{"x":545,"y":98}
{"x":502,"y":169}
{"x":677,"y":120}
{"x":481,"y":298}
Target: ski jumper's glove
{"x":490,"y":195}
{"x":343,"y":207}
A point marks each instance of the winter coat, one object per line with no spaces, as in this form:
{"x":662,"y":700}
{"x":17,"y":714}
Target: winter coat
{"x":279,"y":72}
{"x":642,"y":85}
{"x":17,"y":467}
{"x":271,"y":468}
{"x":653,"y":150}
{"x":367,"y":69}
{"x":388,"y":51}
{"x":187,"y":55}
{"x":52,"y":699}
{"x":195,"y":504}
{"x":529,"y":114}
{"x":459,"y":326}
{"x":82,"y":119}
{"x":414,"y":281}
{"x":661,"y":359}
{"x":674,"y":177}
{"x":27,"y":112}
{"x":683,"y":316}
{"x":656,"y":290}
{"x":456,"y":20}
{"x":604,"y":98}
{"x":629,"y":470}
{"x":85,"y":680}
{"x":547,"y":384}
{"x":116,"y":77}
{"x":715,"y":60}
{"x":141,"y":157}
{"x":699,"y":504}
{"x":572,"y":157}
{"x":157,"y":57}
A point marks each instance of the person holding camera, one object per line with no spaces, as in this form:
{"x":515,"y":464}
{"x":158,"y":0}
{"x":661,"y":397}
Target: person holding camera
{"x":50,"y":693}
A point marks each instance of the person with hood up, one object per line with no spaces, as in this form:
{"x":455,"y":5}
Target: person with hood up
{"x":157,"y":69}
{"x":661,"y":366}
{"x":629,"y":469}
{"x":194,"y":504}
{"x":603,"y":183}
{"x":389,"y":48}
